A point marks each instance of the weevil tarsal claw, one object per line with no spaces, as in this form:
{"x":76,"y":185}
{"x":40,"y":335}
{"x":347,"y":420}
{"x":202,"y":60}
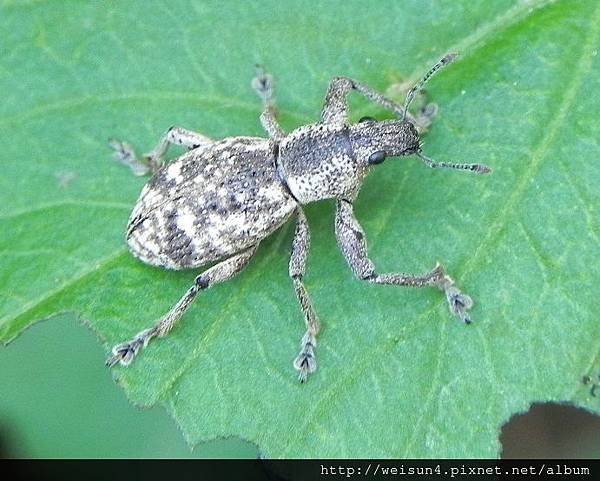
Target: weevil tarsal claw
{"x":126,"y":352}
{"x":125,"y":154}
{"x":123,"y":354}
{"x":459,"y":303}
{"x":306,"y":363}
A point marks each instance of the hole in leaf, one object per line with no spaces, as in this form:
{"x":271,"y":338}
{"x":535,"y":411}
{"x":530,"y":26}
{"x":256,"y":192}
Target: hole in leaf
{"x":551,"y":430}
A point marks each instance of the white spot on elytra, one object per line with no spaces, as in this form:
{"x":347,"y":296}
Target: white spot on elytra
{"x":256,"y":146}
{"x":272,"y":193}
{"x":174,"y":172}
{"x":236,"y":221}
{"x":142,"y":237}
{"x":185,"y":221}
{"x":213,"y":234}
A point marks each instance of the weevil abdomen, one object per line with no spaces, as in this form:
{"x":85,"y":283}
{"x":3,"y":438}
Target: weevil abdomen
{"x":212,"y":202}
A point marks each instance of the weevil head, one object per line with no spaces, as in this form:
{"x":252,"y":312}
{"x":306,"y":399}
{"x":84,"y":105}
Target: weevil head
{"x":374,"y":141}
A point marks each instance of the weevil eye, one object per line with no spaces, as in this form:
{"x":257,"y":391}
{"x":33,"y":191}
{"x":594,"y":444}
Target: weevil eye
{"x":366,"y":119}
{"x":377,"y":157}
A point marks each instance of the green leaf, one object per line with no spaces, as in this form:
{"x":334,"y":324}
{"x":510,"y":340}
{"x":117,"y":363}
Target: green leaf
{"x":398,"y":375}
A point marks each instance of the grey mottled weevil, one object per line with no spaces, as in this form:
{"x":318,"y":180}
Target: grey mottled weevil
{"x":219,"y":200}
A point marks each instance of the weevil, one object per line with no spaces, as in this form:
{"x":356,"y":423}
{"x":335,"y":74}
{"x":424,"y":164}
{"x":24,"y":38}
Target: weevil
{"x":218,"y":201}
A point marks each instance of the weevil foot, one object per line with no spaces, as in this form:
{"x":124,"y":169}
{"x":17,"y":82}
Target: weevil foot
{"x":126,"y":352}
{"x":123,"y":354}
{"x":425,"y":116}
{"x":306,"y":362}
{"x":125,"y":154}
{"x":153,"y":161}
{"x":459,"y":303}
{"x":263,"y":84}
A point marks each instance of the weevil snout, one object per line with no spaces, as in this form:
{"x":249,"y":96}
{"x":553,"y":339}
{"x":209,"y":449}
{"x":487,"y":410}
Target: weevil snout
{"x":412,"y":140}
{"x":375,"y":141}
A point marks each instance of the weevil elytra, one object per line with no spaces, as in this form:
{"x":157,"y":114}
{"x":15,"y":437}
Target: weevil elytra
{"x":217,"y":202}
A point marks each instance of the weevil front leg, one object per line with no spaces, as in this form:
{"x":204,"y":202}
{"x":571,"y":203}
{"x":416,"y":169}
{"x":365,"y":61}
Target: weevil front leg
{"x":155,"y":159}
{"x":306,"y":362}
{"x":125,"y":353}
{"x":335,"y":110}
{"x":351,"y":239}
{"x":264,"y":86}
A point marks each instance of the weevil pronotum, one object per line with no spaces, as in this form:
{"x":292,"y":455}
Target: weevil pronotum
{"x":217,"y":202}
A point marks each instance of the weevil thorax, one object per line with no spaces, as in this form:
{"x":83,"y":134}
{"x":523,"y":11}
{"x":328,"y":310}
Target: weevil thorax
{"x":317,"y":162}
{"x":321,"y":161}
{"x":373,"y":141}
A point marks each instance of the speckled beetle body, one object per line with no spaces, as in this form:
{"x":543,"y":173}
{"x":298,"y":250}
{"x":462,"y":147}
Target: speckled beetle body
{"x":208,"y":205}
{"x":221,"y":198}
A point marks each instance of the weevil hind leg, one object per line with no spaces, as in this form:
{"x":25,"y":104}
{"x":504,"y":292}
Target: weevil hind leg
{"x":126,"y":352}
{"x":155,"y":159}
{"x":264,"y":86}
{"x":305,"y":363}
{"x":351,"y":239}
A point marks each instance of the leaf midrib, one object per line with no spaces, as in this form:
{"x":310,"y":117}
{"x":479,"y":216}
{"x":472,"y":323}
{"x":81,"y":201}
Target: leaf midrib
{"x":103,"y":98}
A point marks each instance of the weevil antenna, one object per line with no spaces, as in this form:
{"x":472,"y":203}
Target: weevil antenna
{"x":476,"y":168}
{"x":448,"y":59}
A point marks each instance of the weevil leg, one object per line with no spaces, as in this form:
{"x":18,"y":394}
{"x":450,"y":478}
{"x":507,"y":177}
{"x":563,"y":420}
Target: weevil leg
{"x":306,"y":362}
{"x":125,"y":154}
{"x":351,"y":239}
{"x":155,"y":159}
{"x":125,"y":353}
{"x":335,"y":109}
{"x":264,"y":86}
